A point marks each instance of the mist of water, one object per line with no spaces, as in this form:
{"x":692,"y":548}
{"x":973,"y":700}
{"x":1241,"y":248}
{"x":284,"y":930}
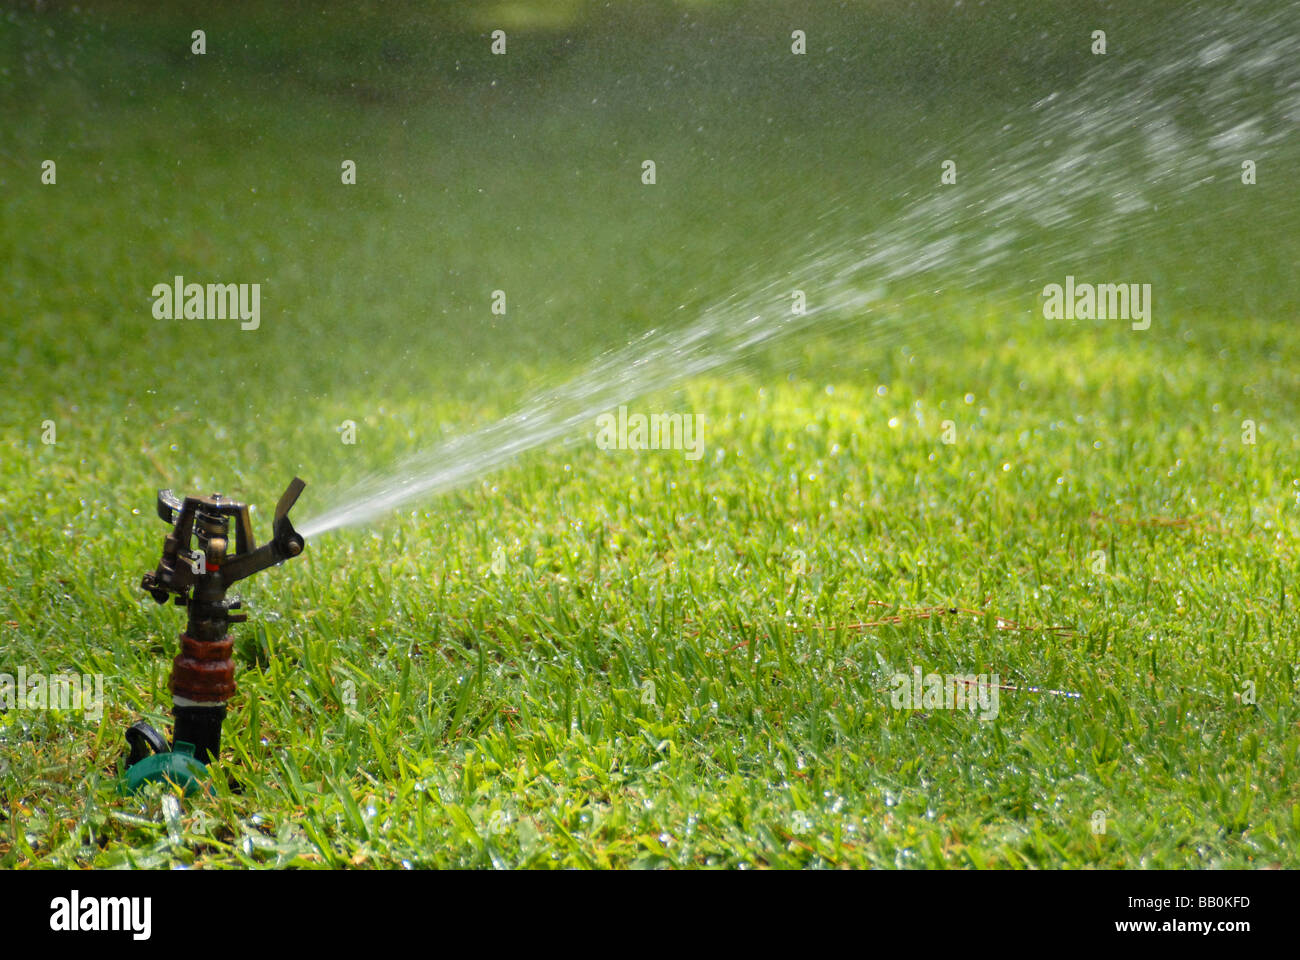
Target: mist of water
{"x":1102,"y":150}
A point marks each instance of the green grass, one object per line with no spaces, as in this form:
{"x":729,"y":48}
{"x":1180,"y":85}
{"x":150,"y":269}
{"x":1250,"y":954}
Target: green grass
{"x":619,"y":659}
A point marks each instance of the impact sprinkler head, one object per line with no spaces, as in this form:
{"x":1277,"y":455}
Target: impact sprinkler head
{"x":196,"y":569}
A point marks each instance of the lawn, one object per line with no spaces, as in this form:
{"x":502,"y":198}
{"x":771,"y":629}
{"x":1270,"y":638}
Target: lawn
{"x":595,"y":658}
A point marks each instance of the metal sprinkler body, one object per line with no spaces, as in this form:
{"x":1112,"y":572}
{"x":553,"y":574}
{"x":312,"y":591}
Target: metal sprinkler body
{"x":197,"y":569}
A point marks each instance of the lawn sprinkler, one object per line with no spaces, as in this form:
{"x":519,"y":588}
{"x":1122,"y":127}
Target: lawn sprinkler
{"x":198,"y":570}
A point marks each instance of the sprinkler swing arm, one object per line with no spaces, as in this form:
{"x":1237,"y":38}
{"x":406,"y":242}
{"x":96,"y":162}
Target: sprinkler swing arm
{"x":196,"y":569}
{"x":181,"y":568}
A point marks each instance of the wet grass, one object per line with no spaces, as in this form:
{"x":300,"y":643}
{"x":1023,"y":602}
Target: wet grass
{"x":599,"y":658}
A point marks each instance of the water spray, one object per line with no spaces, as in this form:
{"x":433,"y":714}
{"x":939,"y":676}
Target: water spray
{"x":1117,"y":163}
{"x":197,"y":570}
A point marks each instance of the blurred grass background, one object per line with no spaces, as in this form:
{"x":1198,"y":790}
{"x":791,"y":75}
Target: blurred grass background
{"x":518,"y":173}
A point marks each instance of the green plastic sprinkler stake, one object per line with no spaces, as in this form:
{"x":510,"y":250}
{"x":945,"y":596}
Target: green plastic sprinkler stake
{"x":197,"y":569}
{"x":177,"y":766}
